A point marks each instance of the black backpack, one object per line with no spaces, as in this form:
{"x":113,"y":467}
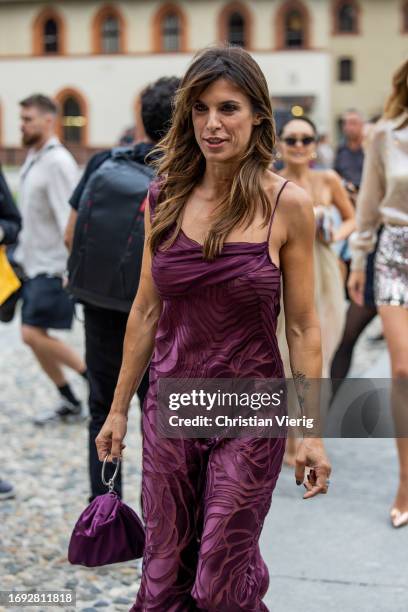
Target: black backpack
{"x":104,"y":265}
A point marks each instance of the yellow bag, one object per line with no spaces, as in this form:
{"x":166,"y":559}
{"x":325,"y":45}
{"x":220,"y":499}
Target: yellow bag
{"x":9,"y":282}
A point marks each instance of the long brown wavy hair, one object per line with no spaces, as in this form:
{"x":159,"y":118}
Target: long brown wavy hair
{"x":397,"y":103}
{"x":181,"y":163}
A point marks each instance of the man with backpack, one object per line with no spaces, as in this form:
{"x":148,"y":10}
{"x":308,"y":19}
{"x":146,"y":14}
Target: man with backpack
{"x":105,"y":234}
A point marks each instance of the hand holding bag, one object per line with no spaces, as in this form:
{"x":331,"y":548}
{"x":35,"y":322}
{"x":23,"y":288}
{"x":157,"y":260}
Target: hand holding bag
{"x":108,"y":531}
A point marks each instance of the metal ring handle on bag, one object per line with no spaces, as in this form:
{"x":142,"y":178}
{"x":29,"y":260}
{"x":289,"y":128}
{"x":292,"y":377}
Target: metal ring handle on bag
{"x":110,"y":483}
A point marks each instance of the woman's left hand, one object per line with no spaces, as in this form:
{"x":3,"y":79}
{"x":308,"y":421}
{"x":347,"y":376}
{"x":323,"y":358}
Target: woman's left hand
{"x":312,"y":454}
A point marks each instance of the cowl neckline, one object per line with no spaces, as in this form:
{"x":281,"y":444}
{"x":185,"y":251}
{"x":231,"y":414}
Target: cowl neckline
{"x":232,"y":245}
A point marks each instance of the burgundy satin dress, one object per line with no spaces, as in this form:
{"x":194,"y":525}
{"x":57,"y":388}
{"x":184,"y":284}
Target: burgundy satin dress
{"x":205,"y":500}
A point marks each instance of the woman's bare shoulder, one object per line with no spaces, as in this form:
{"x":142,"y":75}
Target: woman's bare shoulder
{"x":292,"y":198}
{"x":329,"y":176}
{"x":296,"y":207}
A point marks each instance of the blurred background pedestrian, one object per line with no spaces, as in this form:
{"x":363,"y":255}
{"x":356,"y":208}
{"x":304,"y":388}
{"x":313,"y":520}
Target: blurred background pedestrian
{"x":324,"y":153}
{"x":298,"y":146}
{"x":298,"y":141}
{"x":47,"y":179}
{"x":383,"y":199}
{"x":358,"y":316}
{"x":106,"y":252}
{"x":350,"y":154}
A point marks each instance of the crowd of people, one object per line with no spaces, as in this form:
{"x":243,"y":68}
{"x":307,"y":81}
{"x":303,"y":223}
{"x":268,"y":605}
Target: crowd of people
{"x":189,"y":226}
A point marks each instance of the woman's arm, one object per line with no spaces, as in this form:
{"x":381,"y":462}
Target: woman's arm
{"x":302,"y":326}
{"x":369,"y":199}
{"x":297,"y":264}
{"x":371,"y":194}
{"x":343,"y":203}
{"x":137,"y":351}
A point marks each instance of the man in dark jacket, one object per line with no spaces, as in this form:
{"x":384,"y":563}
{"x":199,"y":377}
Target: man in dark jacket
{"x":10,"y":225}
{"x":104,"y":327}
{"x":10,"y":220}
{"x":350,"y":155}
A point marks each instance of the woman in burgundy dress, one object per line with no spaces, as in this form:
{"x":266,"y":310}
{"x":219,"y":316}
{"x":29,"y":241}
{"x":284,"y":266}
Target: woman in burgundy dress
{"x":220,"y":230}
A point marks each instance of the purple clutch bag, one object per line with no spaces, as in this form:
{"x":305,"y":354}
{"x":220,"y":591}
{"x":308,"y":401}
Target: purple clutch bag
{"x":108,"y":531}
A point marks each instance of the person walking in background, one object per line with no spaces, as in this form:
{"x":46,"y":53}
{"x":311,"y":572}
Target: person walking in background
{"x":298,"y":147}
{"x":223,"y":228}
{"x":10,"y":219}
{"x":349,"y":158}
{"x":47,"y":180}
{"x":358,"y":315}
{"x":383,"y":198}
{"x":105,"y":247}
{"x":324,"y":153}
{"x":298,"y":139}
{"x":349,"y":165}
{"x":10,"y":225}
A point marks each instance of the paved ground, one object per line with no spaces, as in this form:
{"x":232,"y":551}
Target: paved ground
{"x":338,"y":552}
{"x":331,"y":554}
{"x":48,"y":468}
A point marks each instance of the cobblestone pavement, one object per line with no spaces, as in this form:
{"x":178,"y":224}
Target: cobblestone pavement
{"x":48,"y":467}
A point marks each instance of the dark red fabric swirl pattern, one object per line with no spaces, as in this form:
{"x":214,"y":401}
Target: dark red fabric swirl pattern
{"x":205,"y":501}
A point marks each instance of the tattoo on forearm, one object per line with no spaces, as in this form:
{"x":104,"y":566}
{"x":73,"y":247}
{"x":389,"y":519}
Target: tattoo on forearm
{"x":302,"y":385}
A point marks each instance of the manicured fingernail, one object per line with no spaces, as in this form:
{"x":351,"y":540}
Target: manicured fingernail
{"x":298,"y":482}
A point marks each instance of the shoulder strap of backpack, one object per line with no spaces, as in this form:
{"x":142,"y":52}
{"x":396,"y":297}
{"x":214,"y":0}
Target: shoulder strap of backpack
{"x":122,"y":152}
{"x":127,"y":153}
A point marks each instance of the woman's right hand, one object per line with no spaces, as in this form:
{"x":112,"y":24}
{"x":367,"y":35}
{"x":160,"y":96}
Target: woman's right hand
{"x":356,"y":286}
{"x":312,"y":454}
{"x":110,"y":438}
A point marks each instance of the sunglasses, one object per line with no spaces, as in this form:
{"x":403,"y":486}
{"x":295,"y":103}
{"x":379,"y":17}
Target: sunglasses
{"x":291,"y":141}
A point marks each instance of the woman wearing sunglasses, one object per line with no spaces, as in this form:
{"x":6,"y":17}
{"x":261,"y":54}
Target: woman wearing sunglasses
{"x":298,"y":146}
{"x":298,"y":141}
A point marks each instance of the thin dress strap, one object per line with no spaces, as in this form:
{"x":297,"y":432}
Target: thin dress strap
{"x":276,"y":206}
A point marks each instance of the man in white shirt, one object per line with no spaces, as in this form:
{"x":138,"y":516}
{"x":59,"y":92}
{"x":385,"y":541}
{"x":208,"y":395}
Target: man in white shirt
{"x":48,"y":178}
